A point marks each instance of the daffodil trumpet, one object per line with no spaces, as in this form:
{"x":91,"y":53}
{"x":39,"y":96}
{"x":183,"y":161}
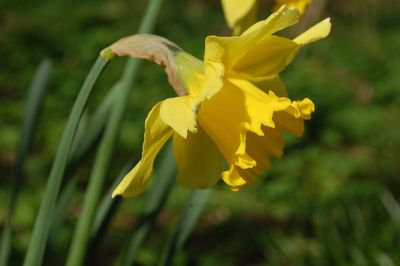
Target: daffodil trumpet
{"x":232,"y":107}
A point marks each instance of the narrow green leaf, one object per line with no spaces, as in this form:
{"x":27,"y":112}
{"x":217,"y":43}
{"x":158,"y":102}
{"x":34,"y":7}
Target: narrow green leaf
{"x":80,"y":134}
{"x":42,"y":225}
{"x":89,"y":130}
{"x":193,"y":209}
{"x":31,"y":113}
{"x":59,"y":213}
{"x":104,"y":154}
{"x":155,"y":200}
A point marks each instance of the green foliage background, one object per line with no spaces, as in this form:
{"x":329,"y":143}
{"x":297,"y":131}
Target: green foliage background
{"x":332,"y":199}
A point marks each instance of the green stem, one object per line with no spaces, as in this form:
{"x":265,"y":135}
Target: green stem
{"x":42,"y":225}
{"x":104,"y":154}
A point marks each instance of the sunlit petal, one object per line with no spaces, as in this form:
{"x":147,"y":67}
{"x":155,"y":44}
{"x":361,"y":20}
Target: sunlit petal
{"x":315,"y":33}
{"x":155,"y":136}
{"x":257,"y":40}
{"x":180,"y":114}
{"x":266,"y":58}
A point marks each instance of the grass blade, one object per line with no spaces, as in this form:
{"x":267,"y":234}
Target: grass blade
{"x":31,"y":113}
{"x":156,"y":198}
{"x":59,"y":213}
{"x":89,"y":130}
{"x":104,"y":154}
{"x":193,"y":209}
{"x":42,"y":225}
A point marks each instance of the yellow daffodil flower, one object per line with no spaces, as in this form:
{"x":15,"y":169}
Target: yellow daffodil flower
{"x":240,"y":14}
{"x":234,"y":110}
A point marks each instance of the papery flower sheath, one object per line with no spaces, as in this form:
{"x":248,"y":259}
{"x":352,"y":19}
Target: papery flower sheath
{"x":241,"y":14}
{"x":230,"y":121}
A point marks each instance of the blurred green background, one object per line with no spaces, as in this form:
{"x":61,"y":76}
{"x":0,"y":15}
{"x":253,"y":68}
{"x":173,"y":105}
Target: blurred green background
{"x":332,"y":199}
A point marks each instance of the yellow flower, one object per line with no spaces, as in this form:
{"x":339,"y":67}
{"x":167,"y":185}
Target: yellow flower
{"x":299,"y":4}
{"x":235,"y":109}
{"x":240,"y":14}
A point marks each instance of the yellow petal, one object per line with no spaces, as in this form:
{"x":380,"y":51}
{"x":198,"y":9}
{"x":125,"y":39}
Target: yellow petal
{"x":257,"y":54}
{"x":233,"y":49}
{"x":235,"y":178}
{"x":180,"y":114}
{"x":315,"y":33}
{"x":272,"y":54}
{"x":236,"y":10}
{"x":155,"y":136}
{"x":292,"y":118}
{"x":214,"y":81}
{"x":213,"y":67}
{"x":268,"y":57}
{"x":281,"y":19}
{"x":199,"y":161}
